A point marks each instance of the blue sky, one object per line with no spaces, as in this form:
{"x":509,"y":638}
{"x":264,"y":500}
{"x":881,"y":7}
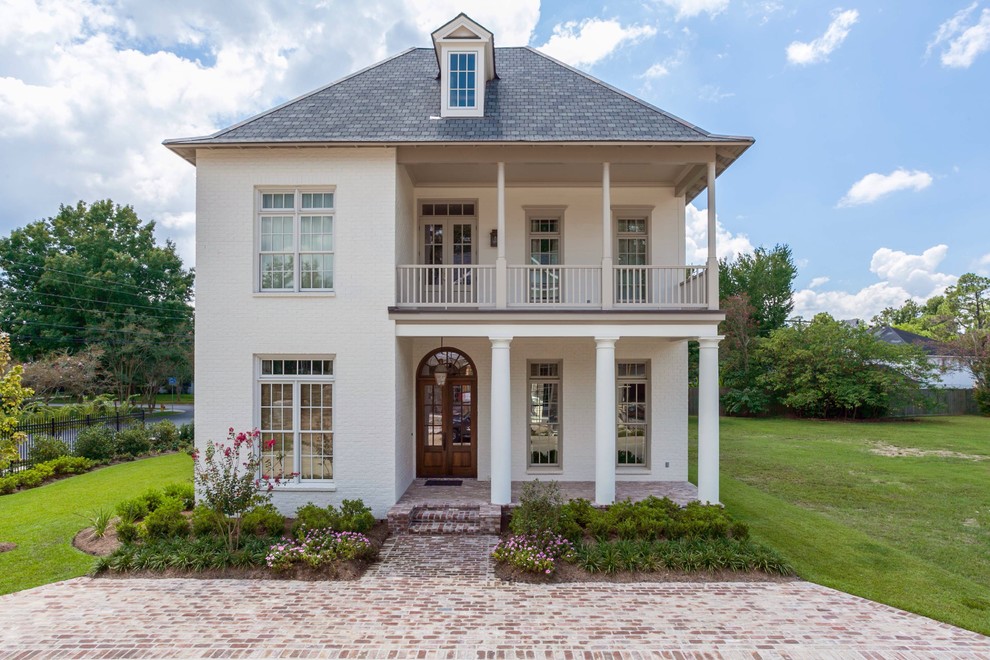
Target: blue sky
{"x":870,"y":117}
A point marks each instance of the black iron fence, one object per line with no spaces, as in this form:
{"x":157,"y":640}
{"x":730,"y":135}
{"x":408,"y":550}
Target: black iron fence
{"x":66,"y":429}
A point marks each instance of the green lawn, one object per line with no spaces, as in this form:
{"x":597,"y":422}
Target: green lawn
{"x":42,"y":521}
{"x":170,"y":398}
{"x":909,"y":531}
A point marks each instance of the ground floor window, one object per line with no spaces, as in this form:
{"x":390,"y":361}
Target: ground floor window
{"x":296,"y":417}
{"x":633,"y":413}
{"x":544,"y":413}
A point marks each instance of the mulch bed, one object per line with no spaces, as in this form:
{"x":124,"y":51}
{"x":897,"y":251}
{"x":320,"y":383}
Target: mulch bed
{"x":7,"y":547}
{"x":350,"y":570}
{"x":571,"y":573}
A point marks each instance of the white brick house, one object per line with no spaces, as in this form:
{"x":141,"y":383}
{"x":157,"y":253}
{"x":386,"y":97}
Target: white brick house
{"x":463,"y":261}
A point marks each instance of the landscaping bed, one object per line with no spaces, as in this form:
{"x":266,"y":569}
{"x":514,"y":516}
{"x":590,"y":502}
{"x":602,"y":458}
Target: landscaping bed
{"x":653,"y":540}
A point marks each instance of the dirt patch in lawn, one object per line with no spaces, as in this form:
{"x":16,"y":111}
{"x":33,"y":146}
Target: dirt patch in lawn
{"x":572,"y":573}
{"x":87,"y":541}
{"x":883,"y":449}
{"x":7,"y":547}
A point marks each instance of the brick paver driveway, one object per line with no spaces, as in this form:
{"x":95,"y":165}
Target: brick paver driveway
{"x":395,"y":612}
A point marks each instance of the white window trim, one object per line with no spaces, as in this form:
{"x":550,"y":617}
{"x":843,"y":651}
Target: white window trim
{"x":296,"y":212}
{"x":297,"y":482}
{"x":645,"y":466}
{"x":546,"y":468}
{"x":446,"y":110}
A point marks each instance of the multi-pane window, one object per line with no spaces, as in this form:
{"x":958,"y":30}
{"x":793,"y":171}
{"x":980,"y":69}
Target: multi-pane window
{"x":544,"y":413}
{"x":632,"y":419}
{"x":544,"y":250}
{"x":296,"y":418}
{"x":296,"y":242}
{"x":461,"y":82}
{"x":630,"y":283}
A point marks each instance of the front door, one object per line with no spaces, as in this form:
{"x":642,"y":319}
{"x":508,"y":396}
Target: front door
{"x":446,"y":443}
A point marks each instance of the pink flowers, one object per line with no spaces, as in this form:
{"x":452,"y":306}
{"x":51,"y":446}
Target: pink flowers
{"x":535,"y":553}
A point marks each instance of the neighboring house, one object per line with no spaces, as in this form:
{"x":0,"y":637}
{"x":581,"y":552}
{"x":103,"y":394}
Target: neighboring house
{"x":953,"y":373}
{"x":477,"y":271}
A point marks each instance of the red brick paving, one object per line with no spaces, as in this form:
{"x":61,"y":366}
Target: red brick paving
{"x":418,"y":604}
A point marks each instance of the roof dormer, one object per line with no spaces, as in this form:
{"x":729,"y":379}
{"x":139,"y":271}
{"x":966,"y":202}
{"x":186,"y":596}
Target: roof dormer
{"x":466,"y":56}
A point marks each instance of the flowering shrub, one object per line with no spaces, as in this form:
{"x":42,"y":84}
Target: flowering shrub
{"x":229,"y":485}
{"x":535,"y":553}
{"x":319,"y":547}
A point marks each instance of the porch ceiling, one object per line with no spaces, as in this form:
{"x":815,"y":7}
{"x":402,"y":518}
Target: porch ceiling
{"x":543,"y":173}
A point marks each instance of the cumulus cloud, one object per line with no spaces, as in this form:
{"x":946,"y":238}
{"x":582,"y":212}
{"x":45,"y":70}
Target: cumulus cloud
{"x":818,"y":50}
{"x":587,"y":42}
{"x":658,"y":70}
{"x":727,"y":245}
{"x":902,"y":276}
{"x":691,"y":8}
{"x":89,"y":89}
{"x":818,"y":281}
{"x":983,"y":265}
{"x":961,"y":40}
{"x":875,"y":185}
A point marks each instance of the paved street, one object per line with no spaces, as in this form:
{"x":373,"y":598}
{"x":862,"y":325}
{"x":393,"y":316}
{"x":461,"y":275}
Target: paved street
{"x":399,"y":610}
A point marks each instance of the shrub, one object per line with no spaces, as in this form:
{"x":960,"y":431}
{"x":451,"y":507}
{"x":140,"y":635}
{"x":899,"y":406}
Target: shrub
{"x":204,"y":521}
{"x":540,"y":509}
{"x":47,"y":448}
{"x":43,"y":470}
{"x":310,"y":517}
{"x":318,"y":548}
{"x":187,"y":435}
{"x":133,"y":441}
{"x":354,"y":516}
{"x":130,"y":511}
{"x":153,"y":498}
{"x":8,"y":485}
{"x":534,"y":553}
{"x":166,"y":521}
{"x":679,"y":555}
{"x":185,"y":492}
{"x":164,"y":436}
{"x":71,"y":465}
{"x":29,"y":478}
{"x":127,"y":532}
{"x":99,"y":520}
{"x":183,"y":554}
{"x":95,"y":443}
{"x":263,"y":520}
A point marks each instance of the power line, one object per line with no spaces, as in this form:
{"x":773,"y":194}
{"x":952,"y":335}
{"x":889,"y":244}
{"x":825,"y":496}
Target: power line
{"x":67,"y":272}
{"x":92,"y":300}
{"x":97,"y":329}
{"x":94,"y":311}
{"x":82,"y":284}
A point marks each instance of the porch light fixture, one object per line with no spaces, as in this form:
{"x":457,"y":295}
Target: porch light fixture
{"x":493,"y":238}
{"x":442,"y":369}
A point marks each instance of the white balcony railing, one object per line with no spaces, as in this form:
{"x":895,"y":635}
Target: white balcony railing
{"x":554,"y":286}
{"x":545,"y":287}
{"x":660,"y":287}
{"x":445,"y":286}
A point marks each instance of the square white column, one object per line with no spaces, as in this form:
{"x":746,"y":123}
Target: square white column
{"x":708,"y":420}
{"x":501,"y":422}
{"x":605,"y":456}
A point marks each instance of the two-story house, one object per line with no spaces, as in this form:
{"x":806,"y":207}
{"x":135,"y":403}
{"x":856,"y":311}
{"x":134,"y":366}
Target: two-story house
{"x":464,"y":261}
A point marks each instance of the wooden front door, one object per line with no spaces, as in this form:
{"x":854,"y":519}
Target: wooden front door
{"x":446,"y":419}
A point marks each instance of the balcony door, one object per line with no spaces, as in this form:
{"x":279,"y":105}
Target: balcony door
{"x":632,"y":256}
{"x":446,"y":444}
{"x":447,"y":240}
{"x":544,"y":256}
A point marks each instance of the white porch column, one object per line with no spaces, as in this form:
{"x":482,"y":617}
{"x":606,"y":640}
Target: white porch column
{"x":501,"y":422}
{"x":605,"y":420}
{"x":708,"y":420}
{"x":712,"y":273}
{"x":607,"y":274}
{"x":501,"y":269}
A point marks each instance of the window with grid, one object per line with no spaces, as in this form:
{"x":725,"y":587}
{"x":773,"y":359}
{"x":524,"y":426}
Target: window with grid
{"x":296,"y":242}
{"x":631,"y":250}
{"x":632,"y":419}
{"x":296,"y":418}
{"x":544,"y":250}
{"x":461,"y":83}
{"x":544,"y":414}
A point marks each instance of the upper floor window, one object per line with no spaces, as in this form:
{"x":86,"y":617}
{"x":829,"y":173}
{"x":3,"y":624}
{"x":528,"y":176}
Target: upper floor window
{"x":462,"y":72}
{"x":295,"y":240}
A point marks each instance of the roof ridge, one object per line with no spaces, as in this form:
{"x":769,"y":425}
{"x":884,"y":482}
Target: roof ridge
{"x":244,"y":122}
{"x":629,"y":96}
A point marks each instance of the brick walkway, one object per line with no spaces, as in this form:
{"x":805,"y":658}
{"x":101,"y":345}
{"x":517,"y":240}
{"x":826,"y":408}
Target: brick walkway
{"x":413,"y":604}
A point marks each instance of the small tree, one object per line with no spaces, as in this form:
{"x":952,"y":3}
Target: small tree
{"x":76,"y":375}
{"x":12,"y":395}
{"x":230,"y":486}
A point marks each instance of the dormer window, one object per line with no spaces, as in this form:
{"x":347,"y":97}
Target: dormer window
{"x":463,"y":69}
{"x":466,"y":58}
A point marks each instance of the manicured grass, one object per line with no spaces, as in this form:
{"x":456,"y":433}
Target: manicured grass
{"x":909,"y":531}
{"x":42,"y":521}
{"x":170,"y":398}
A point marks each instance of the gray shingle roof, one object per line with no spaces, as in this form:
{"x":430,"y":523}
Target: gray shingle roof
{"x":535,"y":99}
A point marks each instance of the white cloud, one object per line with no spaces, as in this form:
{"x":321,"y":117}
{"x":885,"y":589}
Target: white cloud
{"x":818,"y":50}
{"x":511,"y":21}
{"x":983,"y":265}
{"x":591,"y":40}
{"x":691,"y":8}
{"x":962,"y":41}
{"x":818,"y":281}
{"x":902,"y":276}
{"x":713,"y":93}
{"x":658,"y":70}
{"x":874,"y":186}
{"x":727,"y":245}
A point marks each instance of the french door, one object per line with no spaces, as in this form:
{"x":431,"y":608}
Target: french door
{"x":448,"y":239}
{"x":446,"y":442}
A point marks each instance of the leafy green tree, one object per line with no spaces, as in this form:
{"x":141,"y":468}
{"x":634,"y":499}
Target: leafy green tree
{"x":12,"y":395}
{"x":970,"y":298}
{"x":95,"y":275}
{"x":827,"y":368}
{"x":767,"y":279}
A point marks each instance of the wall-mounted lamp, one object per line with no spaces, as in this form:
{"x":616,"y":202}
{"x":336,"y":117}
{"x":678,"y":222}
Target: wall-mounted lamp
{"x":493,"y":238}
